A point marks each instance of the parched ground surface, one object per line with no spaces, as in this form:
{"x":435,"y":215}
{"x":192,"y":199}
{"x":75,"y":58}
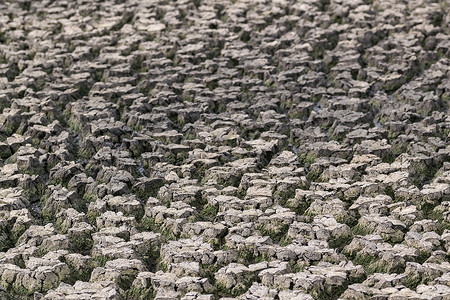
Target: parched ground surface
{"x":224,"y":149}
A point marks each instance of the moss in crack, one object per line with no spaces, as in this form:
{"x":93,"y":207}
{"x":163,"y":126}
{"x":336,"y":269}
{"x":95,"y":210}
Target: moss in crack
{"x":135,"y":293}
{"x":244,"y":285}
{"x":35,"y":189}
{"x":221,"y":291}
{"x":10,"y":127}
{"x":162,"y":266}
{"x":85,"y":152}
{"x":126,"y":279}
{"x":390,"y":157}
{"x":307,"y":159}
{"x":318,"y":52}
{"x":380,"y":266}
{"x":82,"y":273}
{"x":92,"y":217}
{"x":6,"y":242}
{"x":48,"y":217}
{"x":414,"y":280}
{"x":170,"y":158}
{"x":80,"y":243}
{"x":276,"y":232}
{"x":17,"y":231}
{"x":146,"y":190}
{"x":363,"y":259}
{"x":399,"y":148}
{"x":262,"y":257}
{"x":199,"y":202}
{"x":285,"y":241}
{"x":25,"y":5}
{"x":444,"y":226}
{"x":218,"y":242}
{"x":340,"y":242}
{"x":331,"y":292}
{"x":346,"y":219}
{"x":297,"y":266}
{"x":101,"y":260}
{"x":150,"y":224}
{"x":309,"y":214}
{"x":207,"y":213}
{"x":208,"y":271}
{"x":393,"y":237}
{"x":151,"y":258}
{"x":147,"y":224}
{"x":372,"y":264}
{"x":314,"y":175}
{"x":424,"y":174}
{"x":299,"y":206}
{"x":89,"y":197}
{"x":390,"y":192}
{"x":361,"y":230}
{"x":19,"y":290}
{"x":423,"y":256}
{"x":212,"y":85}
{"x":240,"y":288}
{"x":4,"y":40}
{"x":64,"y":181}
{"x":73,"y":124}
{"x":248,"y":256}
{"x":190,"y":136}
{"x":241,"y":193}
{"x":283,"y":195}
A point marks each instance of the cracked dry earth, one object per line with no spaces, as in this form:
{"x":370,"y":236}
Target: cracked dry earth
{"x":224,"y":149}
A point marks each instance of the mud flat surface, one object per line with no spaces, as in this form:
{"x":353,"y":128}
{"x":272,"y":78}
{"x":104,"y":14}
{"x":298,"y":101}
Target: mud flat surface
{"x":224,"y":149}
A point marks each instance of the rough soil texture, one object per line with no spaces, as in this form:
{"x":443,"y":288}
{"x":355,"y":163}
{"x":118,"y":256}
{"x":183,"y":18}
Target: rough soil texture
{"x":224,"y":149}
